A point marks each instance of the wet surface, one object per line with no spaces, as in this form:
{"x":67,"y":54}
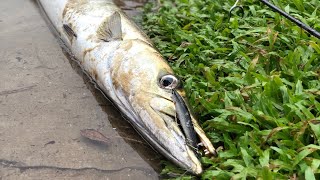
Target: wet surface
{"x":46,"y":99}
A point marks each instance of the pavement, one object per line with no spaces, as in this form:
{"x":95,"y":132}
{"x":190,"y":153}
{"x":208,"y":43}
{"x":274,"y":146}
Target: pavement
{"x":45,"y":100}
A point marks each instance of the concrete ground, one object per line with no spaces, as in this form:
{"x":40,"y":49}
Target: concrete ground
{"x":45,"y":100}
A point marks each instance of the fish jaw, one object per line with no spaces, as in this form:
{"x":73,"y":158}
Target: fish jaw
{"x":167,"y":134}
{"x":160,"y":129}
{"x":151,"y":109}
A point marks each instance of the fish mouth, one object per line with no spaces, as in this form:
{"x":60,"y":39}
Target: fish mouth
{"x":178,"y":121}
{"x":165,"y":122}
{"x":194,"y":167}
{"x":181,"y":117}
{"x":191,"y":151}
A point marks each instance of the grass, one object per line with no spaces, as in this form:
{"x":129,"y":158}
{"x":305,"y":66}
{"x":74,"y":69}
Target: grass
{"x":253,"y":81}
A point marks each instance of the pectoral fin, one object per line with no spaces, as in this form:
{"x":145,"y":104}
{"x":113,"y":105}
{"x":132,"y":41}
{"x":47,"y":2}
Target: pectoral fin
{"x":110,"y":29}
{"x":69,"y":31}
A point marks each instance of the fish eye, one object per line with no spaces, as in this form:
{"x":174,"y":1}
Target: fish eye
{"x":169,"y":82}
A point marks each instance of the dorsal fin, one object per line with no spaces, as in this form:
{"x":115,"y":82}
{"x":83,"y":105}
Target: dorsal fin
{"x":110,"y":29}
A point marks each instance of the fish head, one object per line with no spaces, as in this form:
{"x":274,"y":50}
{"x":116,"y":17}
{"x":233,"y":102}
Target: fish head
{"x":153,"y":101}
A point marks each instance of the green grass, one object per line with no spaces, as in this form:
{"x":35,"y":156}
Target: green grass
{"x":253,"y":81}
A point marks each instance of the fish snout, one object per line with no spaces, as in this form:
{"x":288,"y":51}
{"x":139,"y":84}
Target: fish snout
{"x":177,"y":120}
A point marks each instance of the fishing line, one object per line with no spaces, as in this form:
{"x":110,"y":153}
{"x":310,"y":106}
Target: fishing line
{"x":292,"y":19}
{"x":286,"y":15}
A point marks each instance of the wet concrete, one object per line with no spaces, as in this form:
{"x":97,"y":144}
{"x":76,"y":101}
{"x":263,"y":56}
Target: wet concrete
{"x":45,"y":100}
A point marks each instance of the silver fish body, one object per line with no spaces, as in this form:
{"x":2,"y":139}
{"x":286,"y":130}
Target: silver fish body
{"x":122,"y":61}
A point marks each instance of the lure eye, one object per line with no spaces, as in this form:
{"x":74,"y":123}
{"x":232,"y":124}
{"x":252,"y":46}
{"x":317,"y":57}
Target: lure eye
{"x":168,"y":82}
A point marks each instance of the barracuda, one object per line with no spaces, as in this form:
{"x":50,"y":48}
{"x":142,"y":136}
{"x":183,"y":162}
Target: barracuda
{"x":120,"y":58}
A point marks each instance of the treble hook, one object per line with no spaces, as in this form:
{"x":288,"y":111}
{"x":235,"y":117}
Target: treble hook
{"x":235,"y":6}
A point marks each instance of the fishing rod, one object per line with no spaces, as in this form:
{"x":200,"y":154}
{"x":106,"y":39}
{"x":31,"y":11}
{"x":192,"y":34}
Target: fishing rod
{"x":292,"y":19}
{"x":286,"y":15}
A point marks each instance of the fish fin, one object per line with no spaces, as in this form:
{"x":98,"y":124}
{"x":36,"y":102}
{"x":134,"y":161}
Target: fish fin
{"x":69,"y":31}
{"x":110,"y":29}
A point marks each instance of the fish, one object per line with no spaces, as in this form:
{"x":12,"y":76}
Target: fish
{"x":119,"y":57}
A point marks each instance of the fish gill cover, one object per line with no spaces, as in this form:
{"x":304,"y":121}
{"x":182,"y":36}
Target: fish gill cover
{"x":253,"y":79}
